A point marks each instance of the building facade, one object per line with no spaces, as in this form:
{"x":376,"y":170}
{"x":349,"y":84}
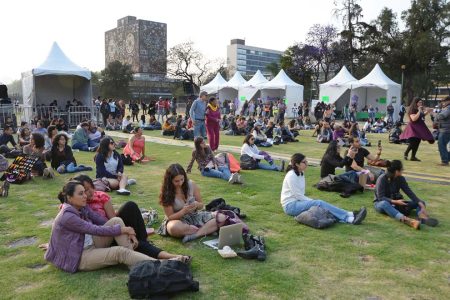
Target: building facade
{"x":248,"y":59}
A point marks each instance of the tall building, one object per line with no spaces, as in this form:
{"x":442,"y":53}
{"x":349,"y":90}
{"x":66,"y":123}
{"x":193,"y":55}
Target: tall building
{"x":142,"y":45}
{"x":249,"y":59}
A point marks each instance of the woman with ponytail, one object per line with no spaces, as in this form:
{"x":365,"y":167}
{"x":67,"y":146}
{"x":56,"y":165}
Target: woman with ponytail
{"x":81,"y":239}
{"x":389,"y":200}
{"x":294,"y":201}
{"x":212,"y":118}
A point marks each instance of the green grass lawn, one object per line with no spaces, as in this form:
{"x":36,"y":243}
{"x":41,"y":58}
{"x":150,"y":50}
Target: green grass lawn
{"x":381,"y":258}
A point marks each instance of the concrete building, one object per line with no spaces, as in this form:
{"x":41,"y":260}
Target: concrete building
{"x":249,"y":59}
{"x":141,"y":44}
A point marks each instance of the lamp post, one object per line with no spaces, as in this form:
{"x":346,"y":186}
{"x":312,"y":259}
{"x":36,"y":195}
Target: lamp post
{"x":401,"y":88}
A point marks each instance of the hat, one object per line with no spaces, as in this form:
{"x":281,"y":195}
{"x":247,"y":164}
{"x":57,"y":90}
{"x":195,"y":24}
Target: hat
{"x":203,"y":93}
{"x":258,"y":123}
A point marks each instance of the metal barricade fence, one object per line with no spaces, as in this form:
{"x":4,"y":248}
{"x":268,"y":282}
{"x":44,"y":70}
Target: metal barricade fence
{"x":77,"y":114}
{"x":8,"y":111}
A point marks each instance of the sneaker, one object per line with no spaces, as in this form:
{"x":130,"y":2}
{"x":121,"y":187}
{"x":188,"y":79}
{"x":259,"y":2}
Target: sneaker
{"x":91,"y":149}
{"x":48,"y":173}
{"x":233,"y":178}
{"x":131,"y":181}
{"x":123,"y":192}
{"x":240,"y":179}
{"x":360,"y":216}
{"x":61,"y":169}
{"x":415,"y":159}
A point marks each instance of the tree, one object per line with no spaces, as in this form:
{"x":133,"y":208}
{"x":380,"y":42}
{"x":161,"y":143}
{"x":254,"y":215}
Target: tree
{"x":273,"y":68}
{"x":188,"y":64}
{"x":114,"y":80}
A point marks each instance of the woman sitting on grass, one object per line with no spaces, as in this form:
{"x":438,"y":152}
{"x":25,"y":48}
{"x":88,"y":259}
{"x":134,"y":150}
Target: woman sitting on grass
{"x":61,"y":156}
{"x":250,"y":149}
{"x":389,"y":200}
{"x":294,"y":201}
{"x":36,"y":149}
{"x":24,"y":136}
{"x":332,"y":159}
{"x":181,"y":201}
{"x":208,"y":165}
{"x":109,"y":165}
{"x":129,"y":212}
{"x":135,"y":147}
{"x":168,"y":128}
{"x":81,"y":239}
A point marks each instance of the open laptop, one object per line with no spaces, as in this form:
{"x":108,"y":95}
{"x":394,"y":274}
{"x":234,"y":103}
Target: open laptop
{"x":229,"y":235}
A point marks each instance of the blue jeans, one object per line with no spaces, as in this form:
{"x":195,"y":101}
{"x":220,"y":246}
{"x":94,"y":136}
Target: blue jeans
{"x":94,"y":143}
{"x":80,"y":146}
{"x":350,"y":176}
{"x":264,"y":166}
{"x":387,"y":208}
{"x":443,"y":140}
{"x":199,"y":129}
{"x":299,"y":206}
{"x":222,"y":172}
{"x":72,"y":168}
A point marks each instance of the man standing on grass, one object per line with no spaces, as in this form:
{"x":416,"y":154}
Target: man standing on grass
{"x":197,"y":114}
{"x":443,"y":119}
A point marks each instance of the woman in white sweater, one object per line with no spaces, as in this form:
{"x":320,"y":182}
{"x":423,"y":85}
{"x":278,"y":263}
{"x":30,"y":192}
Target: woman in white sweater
{"x":294,"y":201}
{"x":249,"y":148}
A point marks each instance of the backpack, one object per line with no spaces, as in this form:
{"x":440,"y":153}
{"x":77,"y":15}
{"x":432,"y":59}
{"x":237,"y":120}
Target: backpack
{"x":233,"y":163}
{"x":151,"y":278}
{"x":316,"y":217}
{"x":127,"y":160}
{"x":20,"y":169}
{"x":248,"y":163}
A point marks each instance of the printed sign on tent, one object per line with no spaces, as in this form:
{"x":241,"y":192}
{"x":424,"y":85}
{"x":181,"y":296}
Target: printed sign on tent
{"x":326,"y":99}
{"x":382,"y":100}
{"x":242,"y":98}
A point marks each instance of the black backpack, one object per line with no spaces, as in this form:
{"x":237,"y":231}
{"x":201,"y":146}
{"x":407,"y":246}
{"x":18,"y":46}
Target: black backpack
{"x":248,"y":163}
{"x":153,"y":278}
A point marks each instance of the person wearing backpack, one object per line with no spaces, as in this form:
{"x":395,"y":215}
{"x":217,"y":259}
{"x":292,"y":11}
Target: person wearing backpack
{"x":294,"y":201}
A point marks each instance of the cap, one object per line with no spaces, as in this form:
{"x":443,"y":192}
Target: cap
{"x":203,"y":93}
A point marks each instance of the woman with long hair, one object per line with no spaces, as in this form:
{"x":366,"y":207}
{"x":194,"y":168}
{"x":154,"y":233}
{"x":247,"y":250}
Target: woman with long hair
{"x":136,"y":146}
{"x":212,"y":121}
{"x":416,"y":130}
{"x":81,"y":239}
{"x":181,"y":201}
{"x":109,"y":165}
{"x":389,"y":200}
{"x":208,"y":165}
{"x":332,"y":159}
{"x":249,"y":148}
{"x":61,"y":156}
{"x":294,"y":201}
{"x":24,"y":136}
{"x":129,"y":212}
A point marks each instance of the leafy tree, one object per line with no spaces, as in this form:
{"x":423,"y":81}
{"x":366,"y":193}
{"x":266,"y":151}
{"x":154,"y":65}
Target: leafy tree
{"x":114,"y":80}
{"x":273,"y":68}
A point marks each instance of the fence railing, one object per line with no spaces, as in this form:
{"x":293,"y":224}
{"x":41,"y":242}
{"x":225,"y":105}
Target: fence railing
{"x":77,"y":114}
{"x":8,"y":111}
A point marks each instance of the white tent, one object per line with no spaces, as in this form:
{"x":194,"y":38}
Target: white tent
{"x":251,"y":88}
{"x":284,"y":88}
{"x":378,"y":90}
{"x":57,"y":78}
{"x":230,"y":89}
{"x":337,"y":90}
{"x":214,"y":85}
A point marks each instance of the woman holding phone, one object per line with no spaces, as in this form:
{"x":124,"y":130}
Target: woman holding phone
{"x":416,"y":130}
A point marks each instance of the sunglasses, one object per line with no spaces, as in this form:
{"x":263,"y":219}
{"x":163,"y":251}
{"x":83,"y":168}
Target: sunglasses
{"x":112,"y":143}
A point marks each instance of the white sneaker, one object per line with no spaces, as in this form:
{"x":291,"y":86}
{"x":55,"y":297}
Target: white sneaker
{"x":233,"y":178}
{"x":239,"y":179}
{"x":123,"y":192}
{"x":131,"y":181}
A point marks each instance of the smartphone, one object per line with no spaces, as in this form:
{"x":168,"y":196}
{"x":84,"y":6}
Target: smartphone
{"x":379,"y":143}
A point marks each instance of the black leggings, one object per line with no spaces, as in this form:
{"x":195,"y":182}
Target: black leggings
{"x":131,"y":215}
{"x":413,"y":146}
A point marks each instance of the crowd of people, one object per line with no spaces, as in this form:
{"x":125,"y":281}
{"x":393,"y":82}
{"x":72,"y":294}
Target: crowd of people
{"x":88,"y":234}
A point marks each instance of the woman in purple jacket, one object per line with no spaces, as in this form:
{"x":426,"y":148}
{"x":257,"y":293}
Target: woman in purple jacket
{"x":81,"y":239}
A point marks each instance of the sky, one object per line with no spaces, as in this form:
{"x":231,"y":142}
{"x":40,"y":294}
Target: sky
{"x":28,"y":28}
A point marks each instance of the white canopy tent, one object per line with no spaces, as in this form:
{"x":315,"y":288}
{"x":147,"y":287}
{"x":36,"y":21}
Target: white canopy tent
{"x":337,"y":90}
{"x":214,"y":85}
{"x":57,"y":78}
{"x":250,"y":90}
{"x":230,"y":89}
{"x":378,"y":90}
{"x":284,"y":88}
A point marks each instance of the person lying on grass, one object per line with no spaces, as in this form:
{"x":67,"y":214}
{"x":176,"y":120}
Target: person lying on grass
{"x":294,"y":201}
{"x":181,"y":201}
{"x":208,"y":165}
{"x":129,"y":212}
{"x":109,"y":165}
{"x":389,"y":200}
{"x":81,"y":239}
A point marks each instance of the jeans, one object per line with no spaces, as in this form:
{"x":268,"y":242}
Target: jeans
{"x":94,"y":143}
{"x":222,"y":172}
{"x":443,"y":140}
{"x":199,"y":129}
{"x":72,"y":168}
{"x":264,"y":166}
{"x":296,"y":207}
{"x":80,"y":146}
{"x":350,"y":176}
{"x":390,"y":210}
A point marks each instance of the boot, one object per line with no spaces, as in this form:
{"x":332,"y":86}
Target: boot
{"x":411,"y":222}
{"x":262,"y":248}
{"x":249,"y":243}
{"x":249,"y":254}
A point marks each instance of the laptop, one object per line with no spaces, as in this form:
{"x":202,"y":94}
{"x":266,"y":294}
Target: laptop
{"x":229,"y":235}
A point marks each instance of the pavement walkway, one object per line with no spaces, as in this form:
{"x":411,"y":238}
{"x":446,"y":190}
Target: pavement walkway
{"x":421,"y":177}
